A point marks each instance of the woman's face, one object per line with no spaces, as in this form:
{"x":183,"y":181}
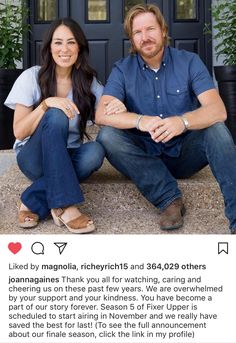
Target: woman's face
{"x":64,"y":48}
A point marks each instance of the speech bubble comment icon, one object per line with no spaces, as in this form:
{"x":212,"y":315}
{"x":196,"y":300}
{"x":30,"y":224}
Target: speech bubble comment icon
{"x":37,"y":248}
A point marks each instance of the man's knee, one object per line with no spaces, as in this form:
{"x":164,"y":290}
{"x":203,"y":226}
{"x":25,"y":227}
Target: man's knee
{"x":218,"y":133}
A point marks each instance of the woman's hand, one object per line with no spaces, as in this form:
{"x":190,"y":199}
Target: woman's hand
{"x":114,"y":106}
{"x":64,"y":104}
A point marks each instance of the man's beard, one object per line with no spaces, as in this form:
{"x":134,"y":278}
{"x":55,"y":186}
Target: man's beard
{"x":158,"y":48}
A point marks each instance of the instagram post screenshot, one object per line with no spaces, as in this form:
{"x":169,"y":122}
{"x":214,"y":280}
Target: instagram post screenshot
{"x":117,"y":171}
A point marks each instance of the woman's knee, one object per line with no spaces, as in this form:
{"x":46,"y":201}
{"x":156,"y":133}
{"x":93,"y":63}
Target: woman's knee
{"x":95,"y":154}
{"x":55,"y":118}
{"x":31,"y":170}
{"x":90,"y":159}
{"x":113,"y":140}
{"x":104,"y":135}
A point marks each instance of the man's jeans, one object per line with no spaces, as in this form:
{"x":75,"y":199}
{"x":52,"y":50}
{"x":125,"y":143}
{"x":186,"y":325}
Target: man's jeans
{"x":54,"y":169}
{"x":155,"y":176}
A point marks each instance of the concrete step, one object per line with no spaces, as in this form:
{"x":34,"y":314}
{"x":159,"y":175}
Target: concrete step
{"x":7,"y":159}
{"x":117,"y":207}
{"x":200,"y":192}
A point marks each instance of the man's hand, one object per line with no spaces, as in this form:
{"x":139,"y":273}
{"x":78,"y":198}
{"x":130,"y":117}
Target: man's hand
{"x":162,"y":130}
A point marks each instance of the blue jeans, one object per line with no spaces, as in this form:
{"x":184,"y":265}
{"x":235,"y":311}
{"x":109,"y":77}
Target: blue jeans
{"x":55,"y":170}
{"x":155,"y":176}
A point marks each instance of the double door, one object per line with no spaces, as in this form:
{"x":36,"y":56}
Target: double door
{"x":102,"y":22}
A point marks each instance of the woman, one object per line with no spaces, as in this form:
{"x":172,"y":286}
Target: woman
{"x":52,"y":105}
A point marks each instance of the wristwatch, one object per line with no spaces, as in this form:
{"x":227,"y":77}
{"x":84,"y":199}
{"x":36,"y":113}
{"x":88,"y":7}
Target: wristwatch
{"x":185,"y":122}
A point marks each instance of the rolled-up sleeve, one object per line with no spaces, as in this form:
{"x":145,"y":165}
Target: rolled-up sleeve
{"x":201,"y":80}
{"x":115,"y":85}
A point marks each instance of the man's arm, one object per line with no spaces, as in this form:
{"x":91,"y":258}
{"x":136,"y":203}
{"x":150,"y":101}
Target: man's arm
{"x":123,"y":120}
{"x":212,"y":110}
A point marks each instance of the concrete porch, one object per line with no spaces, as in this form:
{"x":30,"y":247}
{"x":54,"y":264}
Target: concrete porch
{"x":115,"y":204}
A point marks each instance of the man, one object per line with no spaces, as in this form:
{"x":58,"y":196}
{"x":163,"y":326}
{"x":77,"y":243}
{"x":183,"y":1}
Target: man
{"x":173,"y":126}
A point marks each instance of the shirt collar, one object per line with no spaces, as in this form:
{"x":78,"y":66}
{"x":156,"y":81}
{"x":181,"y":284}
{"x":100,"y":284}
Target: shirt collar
{"x":164,"y":62}
{"x":166,"y":56}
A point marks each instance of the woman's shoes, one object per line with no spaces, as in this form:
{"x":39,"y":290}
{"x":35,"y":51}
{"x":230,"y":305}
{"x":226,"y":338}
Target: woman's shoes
{"x":79,"y":224}
{"x":26,"y":218}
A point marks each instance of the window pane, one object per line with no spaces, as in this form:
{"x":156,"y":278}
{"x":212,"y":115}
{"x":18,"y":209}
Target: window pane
{"x":46,"y":10}
{"x":97,"y":10}
{"x":130,"y":3}
{"x":186,"y":9}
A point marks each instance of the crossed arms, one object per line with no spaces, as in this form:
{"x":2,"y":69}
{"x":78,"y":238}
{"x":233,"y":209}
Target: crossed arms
{"x":211,"y":111}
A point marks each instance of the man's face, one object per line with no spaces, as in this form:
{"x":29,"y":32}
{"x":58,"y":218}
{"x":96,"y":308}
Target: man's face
{"x":147,"y":37}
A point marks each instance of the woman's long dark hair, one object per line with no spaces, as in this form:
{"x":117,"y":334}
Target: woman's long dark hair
{"x":82,"y":74}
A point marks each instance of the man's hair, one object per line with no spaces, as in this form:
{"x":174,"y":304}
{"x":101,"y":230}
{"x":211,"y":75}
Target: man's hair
{"x":148,"y":8}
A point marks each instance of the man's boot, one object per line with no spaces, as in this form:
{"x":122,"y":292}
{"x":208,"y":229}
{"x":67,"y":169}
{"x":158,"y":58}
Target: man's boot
{"x":172,"y":217}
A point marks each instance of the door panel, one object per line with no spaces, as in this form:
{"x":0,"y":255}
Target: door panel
{"x":102,"y":22}
{"x":187,"y":33}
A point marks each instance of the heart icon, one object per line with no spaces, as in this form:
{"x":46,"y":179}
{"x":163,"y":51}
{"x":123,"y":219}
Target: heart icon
{"x":14,"y":247}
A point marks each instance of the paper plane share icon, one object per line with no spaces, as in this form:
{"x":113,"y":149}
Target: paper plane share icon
{"x":61,"y":246}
